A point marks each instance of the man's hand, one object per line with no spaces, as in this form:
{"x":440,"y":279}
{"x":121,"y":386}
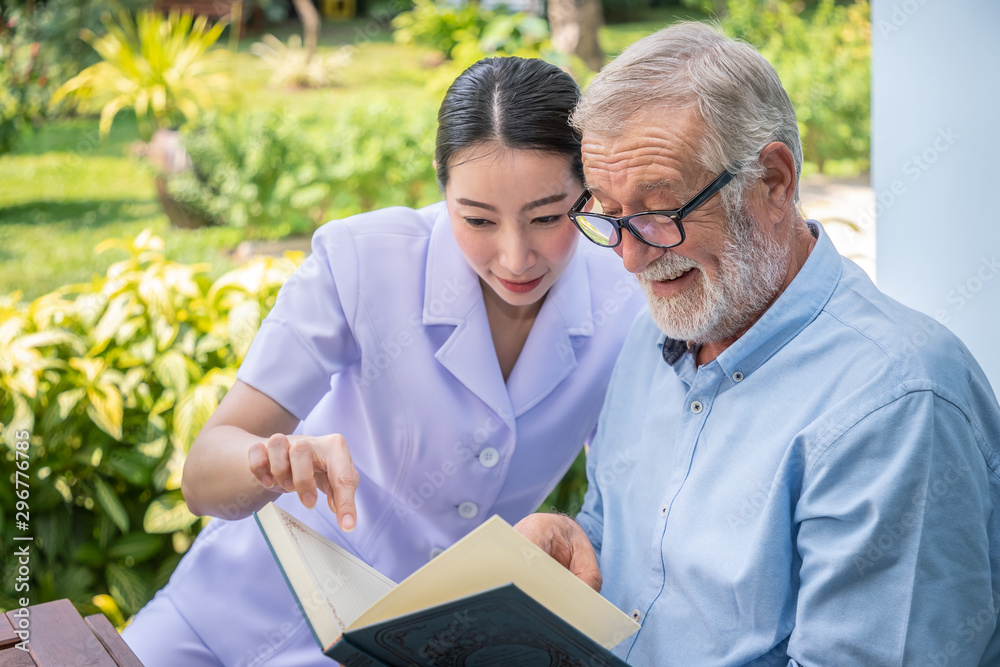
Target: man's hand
{"x":302,"y":463}
{"x":563,"y":539}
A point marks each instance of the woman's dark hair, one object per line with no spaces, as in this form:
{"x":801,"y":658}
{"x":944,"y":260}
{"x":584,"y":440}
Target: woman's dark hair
{"x":515,"y":102}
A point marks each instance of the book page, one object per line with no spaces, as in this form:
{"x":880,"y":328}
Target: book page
{"x":333,"y":587}
{"x":493,"y":555}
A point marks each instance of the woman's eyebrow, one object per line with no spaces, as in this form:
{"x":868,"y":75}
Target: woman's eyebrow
{"x":527,"y":207}
{"x":543,"y":201}
{"x":469,"y":202}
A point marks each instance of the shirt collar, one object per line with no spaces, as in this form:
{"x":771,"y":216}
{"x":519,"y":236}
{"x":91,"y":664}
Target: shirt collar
{"x":791,"y":312}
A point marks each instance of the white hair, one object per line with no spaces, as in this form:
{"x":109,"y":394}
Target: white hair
{"x":734,"y":89}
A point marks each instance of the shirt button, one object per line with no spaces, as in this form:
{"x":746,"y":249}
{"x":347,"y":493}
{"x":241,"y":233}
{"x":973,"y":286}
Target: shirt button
{"x":663,"y":510}
{"x":697,"y":407}
{"x":737,"y":376}
{"x":489,"y":457}
{"x":435,"y":552}
{"x":468,"y":510}
{"x":636,"y":615}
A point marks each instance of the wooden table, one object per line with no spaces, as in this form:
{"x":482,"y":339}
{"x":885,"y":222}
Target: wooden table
{"x":59,"y":636}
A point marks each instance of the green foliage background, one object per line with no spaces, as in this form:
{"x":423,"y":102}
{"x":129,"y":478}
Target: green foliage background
{"x":262,"y":171}
{"x":823,"y":58}
{"x":40,"y":49}
{"x":113,"y":379}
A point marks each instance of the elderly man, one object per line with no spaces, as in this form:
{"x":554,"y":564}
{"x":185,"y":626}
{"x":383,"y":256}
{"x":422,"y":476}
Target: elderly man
{"x":791,"y":468}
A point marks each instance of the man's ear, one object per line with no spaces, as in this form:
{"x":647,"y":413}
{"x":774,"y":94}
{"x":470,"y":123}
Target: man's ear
{"x":780,"y":179}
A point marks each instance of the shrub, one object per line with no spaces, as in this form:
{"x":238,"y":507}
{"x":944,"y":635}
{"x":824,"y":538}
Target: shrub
{"x":260,"y":171}
{"x":440,"y":26}
{"x":382,"y":155}
{"x":292,"y":66}
{"x":40,"y":48}
{"x":824,"y":61}
{"x":57,"y":24}
{"x":384,"y":11}
{"x":159,"y":66}
{"x":112,"y":380}
{"x":469,"y":32}
{"x":253,"y":170}
{"x":25,"y":88}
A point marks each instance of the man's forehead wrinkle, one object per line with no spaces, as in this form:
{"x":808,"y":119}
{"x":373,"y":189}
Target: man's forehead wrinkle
{"x":642,"y":171}
{"x":675,"y":144}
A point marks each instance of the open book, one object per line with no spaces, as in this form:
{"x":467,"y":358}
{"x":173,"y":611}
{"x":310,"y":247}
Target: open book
{"x":492,"y":599}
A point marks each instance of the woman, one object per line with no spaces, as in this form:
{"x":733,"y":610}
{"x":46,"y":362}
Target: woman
{"x":423,"y":369}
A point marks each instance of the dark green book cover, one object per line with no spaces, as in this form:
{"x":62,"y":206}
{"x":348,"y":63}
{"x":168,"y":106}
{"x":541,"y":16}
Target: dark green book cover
{"x":501,"y":627}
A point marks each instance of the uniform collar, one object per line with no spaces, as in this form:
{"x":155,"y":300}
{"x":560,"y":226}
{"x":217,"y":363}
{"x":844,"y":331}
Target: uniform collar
{"x":451,"y":286}
{"x":453,"y":297}
{"x":791,"y":312}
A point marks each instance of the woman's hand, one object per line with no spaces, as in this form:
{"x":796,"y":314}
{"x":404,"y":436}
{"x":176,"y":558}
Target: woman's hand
{"x":563,"y":539}
{"x":303,"y":463}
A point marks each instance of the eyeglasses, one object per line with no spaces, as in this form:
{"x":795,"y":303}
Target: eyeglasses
{"x":660,"y":229}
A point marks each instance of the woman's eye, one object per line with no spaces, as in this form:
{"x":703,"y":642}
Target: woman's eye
{"x":478,"y":222}
{"x":549,"y":219}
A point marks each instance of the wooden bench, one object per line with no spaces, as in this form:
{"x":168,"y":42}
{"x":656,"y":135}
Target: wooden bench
{"x":59,"y":636}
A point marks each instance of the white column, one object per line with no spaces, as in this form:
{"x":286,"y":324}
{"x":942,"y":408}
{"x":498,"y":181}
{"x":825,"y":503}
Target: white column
{"x":936,"y":164}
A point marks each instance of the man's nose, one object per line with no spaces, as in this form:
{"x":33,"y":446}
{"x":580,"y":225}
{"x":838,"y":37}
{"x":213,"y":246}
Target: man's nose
{"x":635,"y":254}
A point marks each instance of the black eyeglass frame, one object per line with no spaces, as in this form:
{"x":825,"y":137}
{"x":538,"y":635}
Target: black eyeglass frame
{"x":676,"y":215}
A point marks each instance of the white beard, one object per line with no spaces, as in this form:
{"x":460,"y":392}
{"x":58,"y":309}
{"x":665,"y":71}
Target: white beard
{"x":752,"y":269}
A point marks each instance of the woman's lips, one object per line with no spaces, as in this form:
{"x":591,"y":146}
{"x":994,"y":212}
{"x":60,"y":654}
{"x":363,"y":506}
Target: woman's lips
{"x":520,"y":288}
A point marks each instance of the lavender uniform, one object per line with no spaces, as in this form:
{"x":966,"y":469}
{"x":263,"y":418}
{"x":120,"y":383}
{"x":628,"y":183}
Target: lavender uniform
{"x":382,"y":336}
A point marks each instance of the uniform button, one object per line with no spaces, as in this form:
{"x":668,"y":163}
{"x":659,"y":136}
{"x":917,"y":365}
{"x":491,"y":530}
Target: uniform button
{"x":663,"y":511}
{"x":468,"y":510}
{"x":737,"y":376}
{"x":489,"y":457}
{"x":636,"y":615}
{"x":435,"y":552}
{"x":697,"y":407}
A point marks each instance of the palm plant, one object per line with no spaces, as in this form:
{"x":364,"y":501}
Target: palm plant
{"x":160,"y":66}
{"x":293,"y":66}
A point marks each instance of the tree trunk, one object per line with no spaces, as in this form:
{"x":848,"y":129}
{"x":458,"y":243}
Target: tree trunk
{"x":574,"y":25}
{"x":309,"y":16}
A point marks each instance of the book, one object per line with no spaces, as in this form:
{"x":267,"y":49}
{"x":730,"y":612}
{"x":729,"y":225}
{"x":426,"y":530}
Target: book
{"x":492,"y":599}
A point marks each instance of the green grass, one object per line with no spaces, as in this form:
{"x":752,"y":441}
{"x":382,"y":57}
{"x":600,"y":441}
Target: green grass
{"x":64,"y":190}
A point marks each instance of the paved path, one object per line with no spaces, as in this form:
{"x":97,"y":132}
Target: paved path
{"x":846,"y":208}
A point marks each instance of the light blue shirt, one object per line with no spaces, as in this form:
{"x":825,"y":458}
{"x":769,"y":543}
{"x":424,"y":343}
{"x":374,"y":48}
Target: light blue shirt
{"x":825,"y":492}
{"x":382,"y":336}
